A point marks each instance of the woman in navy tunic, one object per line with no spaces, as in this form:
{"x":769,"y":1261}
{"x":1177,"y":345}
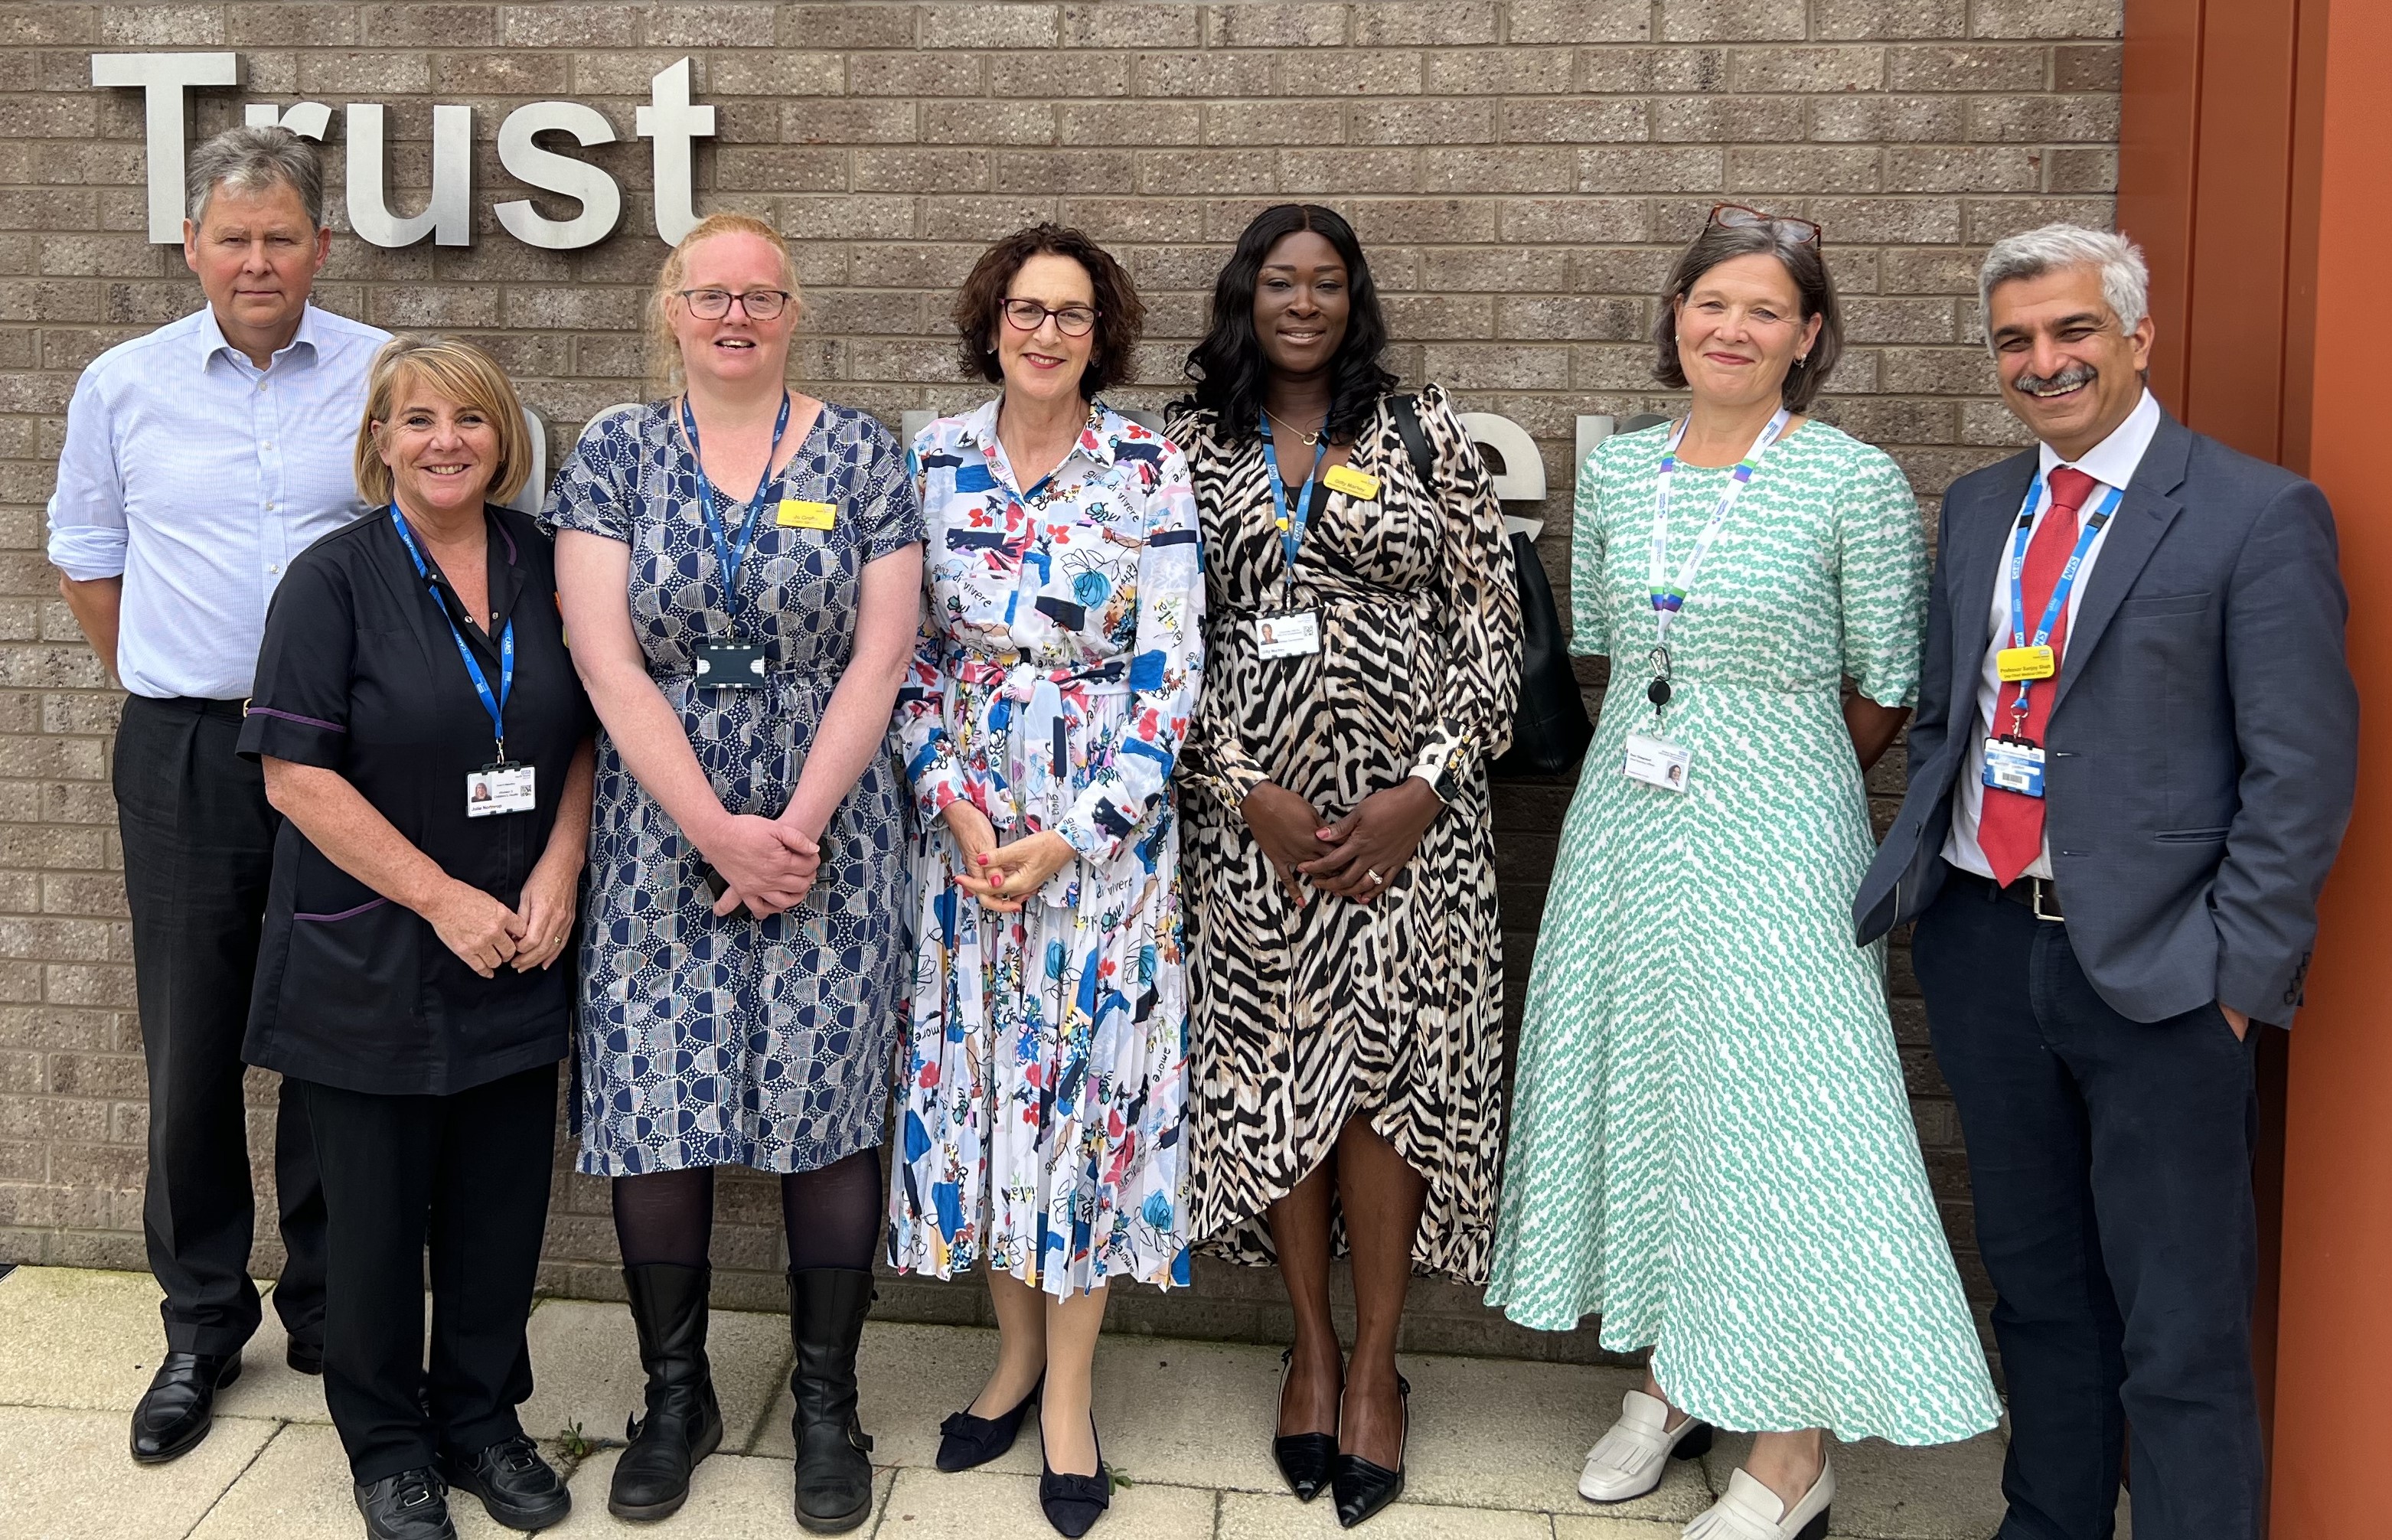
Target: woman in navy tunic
{"x":740,"y":569}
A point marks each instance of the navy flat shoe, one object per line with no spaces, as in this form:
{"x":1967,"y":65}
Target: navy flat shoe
{"x":966,"y":1441}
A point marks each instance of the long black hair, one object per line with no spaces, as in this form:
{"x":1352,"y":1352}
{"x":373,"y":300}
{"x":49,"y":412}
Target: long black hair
{"x":1229,"y":367}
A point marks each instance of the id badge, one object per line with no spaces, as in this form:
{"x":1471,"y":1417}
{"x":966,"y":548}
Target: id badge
{"x":1352,"y":483}
{"x":1291,"y":634}
{"x":731,"y":666}
{"x":2014,"y":765}
{"x":1658,"y":762}
{"x":495,"y":789}
{"x":2014,"y":664}
{"x":794,"y":514}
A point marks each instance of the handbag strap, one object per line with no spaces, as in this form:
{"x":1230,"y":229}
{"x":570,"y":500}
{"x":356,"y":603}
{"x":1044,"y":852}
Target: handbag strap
{"x":1406,"y":410}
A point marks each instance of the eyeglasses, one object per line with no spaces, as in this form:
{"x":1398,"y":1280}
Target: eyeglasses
{"x":712,"y":304}
{"x":1735,"y":216}
{"x":1072,"y":320}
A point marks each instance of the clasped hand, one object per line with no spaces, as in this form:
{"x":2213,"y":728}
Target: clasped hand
{"x":1356,"y":857}
{"x":486,"y":935}
{"x":1002,"y":878}
{"x":768,"y":864}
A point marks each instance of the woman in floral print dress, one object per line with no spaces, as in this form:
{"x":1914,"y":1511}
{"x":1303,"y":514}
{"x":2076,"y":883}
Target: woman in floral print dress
{"x":1045,"y":1071}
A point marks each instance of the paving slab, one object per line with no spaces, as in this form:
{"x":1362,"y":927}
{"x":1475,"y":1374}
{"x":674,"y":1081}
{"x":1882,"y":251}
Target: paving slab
{"x":78,"y":1338}
{"x":298,"y":1488}
{"x":585,"y":1363}
{"x":732,"y":1497}
{"x":1492,"y":1433}
{"x":1260,"y":1516}
{"x":985,"y":1505}
{"x":66,"y":1472}
{"x":1598,"y":1526}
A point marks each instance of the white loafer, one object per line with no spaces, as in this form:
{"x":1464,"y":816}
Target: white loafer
{"x":1627,"y":1461}
{"x":1750,"y":1511}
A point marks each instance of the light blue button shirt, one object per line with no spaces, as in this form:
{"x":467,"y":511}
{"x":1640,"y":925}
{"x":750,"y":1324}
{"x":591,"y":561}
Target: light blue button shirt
{"x":197,"y":477}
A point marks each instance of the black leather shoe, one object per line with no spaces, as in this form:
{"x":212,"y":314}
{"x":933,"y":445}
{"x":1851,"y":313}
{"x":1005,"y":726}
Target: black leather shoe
{"x":1073,"y":1504}
{"x":834,"y":1466}
{"x":966,"y":1441}
{"x":684,"y":1422}
{"x":305,"y":1357}
{"x":1363,"y":1488}
{"x":1303,"y":1458}
{"x":175,"y":1411}
{"x":516,"y":1486}
{"x":413,"y":1504}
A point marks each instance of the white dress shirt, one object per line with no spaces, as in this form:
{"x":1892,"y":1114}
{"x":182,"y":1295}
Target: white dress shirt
{"x":197,"y":477}
{"x":2111,"y":462}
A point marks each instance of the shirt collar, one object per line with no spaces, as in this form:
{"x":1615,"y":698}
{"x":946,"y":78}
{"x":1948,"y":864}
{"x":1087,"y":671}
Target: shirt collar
{"x":2113,"y":460}
{"x":212,"y":340}
{"x":1097,"y":435}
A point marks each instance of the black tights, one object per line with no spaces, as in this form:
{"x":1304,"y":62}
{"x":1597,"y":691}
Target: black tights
{"x":832,"y":1215}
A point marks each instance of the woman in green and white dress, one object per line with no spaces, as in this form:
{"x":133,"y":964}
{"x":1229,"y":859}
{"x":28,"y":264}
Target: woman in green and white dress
{"x":1712,"y":1147}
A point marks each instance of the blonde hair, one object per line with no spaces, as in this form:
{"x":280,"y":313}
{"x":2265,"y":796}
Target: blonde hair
{"x":464,"y":374}
{"x":664,"y":349}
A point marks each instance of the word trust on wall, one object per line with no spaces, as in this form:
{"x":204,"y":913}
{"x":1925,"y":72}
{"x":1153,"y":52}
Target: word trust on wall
{"x":670,"y":121}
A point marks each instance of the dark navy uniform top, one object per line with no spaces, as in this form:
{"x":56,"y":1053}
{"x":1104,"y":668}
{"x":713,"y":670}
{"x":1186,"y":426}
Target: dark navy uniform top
{"x":360,"y":674}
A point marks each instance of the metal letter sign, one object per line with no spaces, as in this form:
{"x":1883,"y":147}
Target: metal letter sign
{"x":165,"y":82}
{"x":601,"y":201}
{"x":670,"y":120}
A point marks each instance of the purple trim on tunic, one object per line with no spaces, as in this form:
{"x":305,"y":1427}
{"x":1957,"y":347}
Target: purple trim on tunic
{"x":345,"y":914}
{"x":295,"y":717}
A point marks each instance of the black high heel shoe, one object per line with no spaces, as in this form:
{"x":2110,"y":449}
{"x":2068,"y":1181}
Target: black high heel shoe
{"x":1303,"y":1458}
{"x":1073,"y":1504}
{"x":966,"y":1441}
{"x":1363,"y":1488}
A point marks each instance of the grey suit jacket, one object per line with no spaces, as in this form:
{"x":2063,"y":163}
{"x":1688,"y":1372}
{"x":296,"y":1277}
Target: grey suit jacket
{"x":2203,"y":745}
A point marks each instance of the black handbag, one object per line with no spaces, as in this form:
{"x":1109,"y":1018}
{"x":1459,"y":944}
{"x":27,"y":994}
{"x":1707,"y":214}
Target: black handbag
{"x":1551,"y":729}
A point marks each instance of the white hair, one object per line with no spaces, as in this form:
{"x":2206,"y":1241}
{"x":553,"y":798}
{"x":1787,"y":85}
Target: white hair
{"x":2125,"y":282}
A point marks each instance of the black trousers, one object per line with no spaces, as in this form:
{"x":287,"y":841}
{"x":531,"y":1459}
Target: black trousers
{"x":199,"y":846}
{"x":2111,"y":1164}
{"x":467,"y":1174}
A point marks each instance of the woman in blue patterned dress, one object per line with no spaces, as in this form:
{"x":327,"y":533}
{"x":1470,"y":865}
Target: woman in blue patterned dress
{"x":1047,"y":1069}
{"x":740,"y":569}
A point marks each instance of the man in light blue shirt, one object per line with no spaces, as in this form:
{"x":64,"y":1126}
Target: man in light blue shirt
{"x":198,"y":460}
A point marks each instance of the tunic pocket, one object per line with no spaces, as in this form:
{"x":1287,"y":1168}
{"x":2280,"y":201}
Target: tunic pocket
{"x":352,"y":983}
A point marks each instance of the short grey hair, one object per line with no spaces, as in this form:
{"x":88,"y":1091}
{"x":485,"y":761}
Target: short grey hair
{"x":2125,"y":282}
{"x":254,"y":159}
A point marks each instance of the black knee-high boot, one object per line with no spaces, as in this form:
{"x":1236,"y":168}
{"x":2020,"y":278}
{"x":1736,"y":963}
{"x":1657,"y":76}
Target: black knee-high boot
{"x":826,"y":1310}
{"x":684,"y":1424}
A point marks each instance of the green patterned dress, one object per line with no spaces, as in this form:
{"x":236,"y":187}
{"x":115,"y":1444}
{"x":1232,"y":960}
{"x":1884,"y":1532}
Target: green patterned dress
{"x":1712,"y":1143}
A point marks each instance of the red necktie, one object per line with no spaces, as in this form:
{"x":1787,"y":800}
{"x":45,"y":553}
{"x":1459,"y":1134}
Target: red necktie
{"x":2010,"y":830}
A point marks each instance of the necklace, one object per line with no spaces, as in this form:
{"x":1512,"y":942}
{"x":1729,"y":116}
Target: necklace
{"x":1308,"y":439}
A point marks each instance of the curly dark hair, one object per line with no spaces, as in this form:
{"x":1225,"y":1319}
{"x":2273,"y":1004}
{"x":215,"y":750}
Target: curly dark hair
{"x":1229,"y":367}
{"x":1815,"y":290}
{"x":1119,"y":313}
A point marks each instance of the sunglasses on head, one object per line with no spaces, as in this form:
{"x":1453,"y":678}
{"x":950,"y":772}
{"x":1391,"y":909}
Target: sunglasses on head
{"x":1735,"y":216}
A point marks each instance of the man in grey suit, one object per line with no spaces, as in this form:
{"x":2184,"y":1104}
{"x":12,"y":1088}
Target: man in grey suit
{"x":2134,"y":756}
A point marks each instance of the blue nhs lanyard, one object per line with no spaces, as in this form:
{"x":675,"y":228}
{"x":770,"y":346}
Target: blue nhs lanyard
{"x":496,"y":705}
{"x":1290,"y":517}
{"x":728,"y":556}
{"x":2060,"y":590}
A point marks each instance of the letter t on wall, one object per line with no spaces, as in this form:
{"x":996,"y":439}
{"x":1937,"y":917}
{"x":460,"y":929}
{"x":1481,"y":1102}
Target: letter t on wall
{"x":166,"y":81}
{"x":672,"y":122}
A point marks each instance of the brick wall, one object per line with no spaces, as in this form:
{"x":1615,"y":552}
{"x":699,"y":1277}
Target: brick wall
{"x":1521,"y":171}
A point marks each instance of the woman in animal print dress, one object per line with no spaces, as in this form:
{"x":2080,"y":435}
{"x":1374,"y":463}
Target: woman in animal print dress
{"x":1364,"y":643}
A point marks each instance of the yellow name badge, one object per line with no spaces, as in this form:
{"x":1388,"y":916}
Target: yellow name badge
{"x":807,"y":515}
{"x":1352,"y":483}
{"x":2025,"y":663}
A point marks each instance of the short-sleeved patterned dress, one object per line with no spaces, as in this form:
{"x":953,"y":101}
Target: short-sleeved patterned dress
{"x":1047,"y":1056}
{"x":709,"y":1041}
{"x":1712,"y":1143}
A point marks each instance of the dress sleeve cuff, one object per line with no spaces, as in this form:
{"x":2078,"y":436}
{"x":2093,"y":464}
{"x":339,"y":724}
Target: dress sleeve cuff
{"x":265,"y":732}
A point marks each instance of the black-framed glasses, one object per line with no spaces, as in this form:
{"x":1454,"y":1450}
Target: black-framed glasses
{"x":1072,"y":320}
{"x":758,"y":304}
{"x":1735,"y":216}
